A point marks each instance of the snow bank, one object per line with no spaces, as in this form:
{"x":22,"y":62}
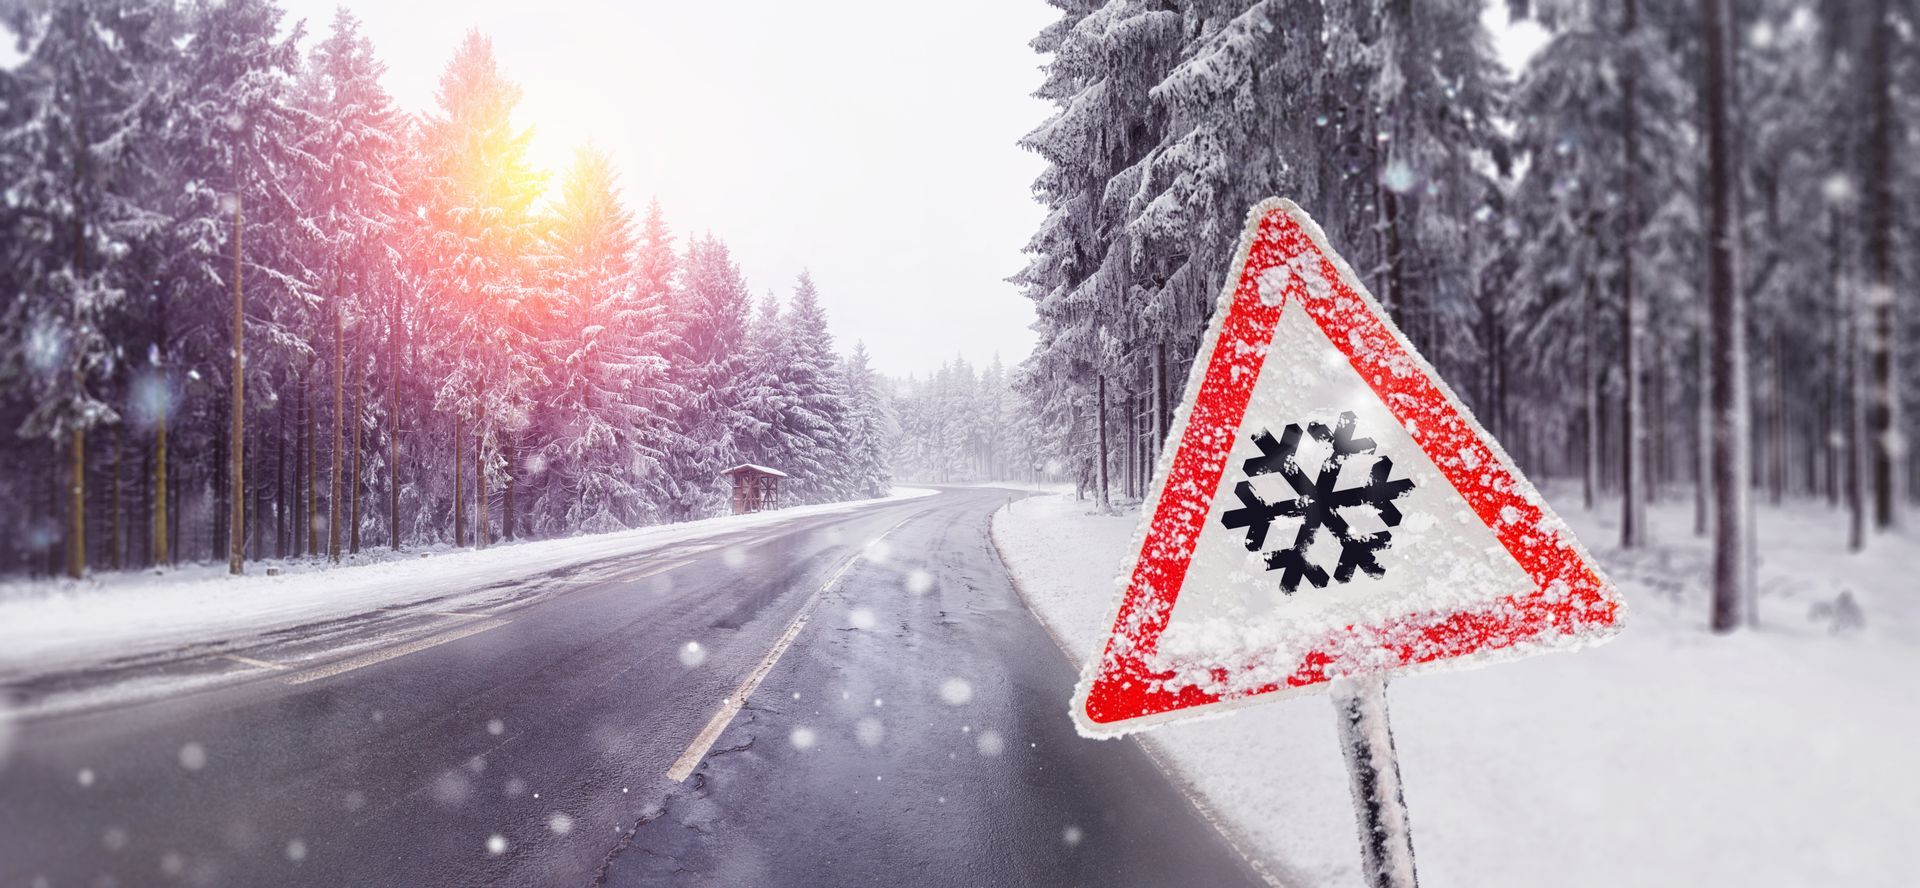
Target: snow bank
{"x":1778,"y":757}
{"x":48,"y":626}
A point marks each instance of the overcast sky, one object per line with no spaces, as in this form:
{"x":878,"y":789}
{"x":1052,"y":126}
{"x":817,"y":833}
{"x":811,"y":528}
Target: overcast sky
{"x":870,"y":141}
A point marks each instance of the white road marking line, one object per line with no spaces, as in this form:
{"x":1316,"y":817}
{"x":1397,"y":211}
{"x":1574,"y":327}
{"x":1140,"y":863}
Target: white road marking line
{"x":249,"y":661}
{"x":454,"y":614}
{"x":399,"y":650}
{"x":730,"y":707}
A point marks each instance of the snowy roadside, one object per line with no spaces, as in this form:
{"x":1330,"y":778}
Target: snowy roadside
{"x":51,"y":625}
{"x":1670,"y":756}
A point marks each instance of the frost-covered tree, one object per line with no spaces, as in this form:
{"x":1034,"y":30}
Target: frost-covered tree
{"x":710,"y":376}
{"x":795,"y":406}
{"x":77,"y":211}
{"x":480,"y":206}
{"x":866,"y":428}
{"x":604,"y":365}
{"x":356,"y":144}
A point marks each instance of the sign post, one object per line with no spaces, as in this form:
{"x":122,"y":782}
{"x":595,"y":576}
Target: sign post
{"x":1373,"y":770}
{"x":1328,"y":514}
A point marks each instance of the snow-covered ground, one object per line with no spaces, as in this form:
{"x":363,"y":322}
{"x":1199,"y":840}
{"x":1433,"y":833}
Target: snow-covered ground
{"x":1777,"y":757}
{"x":51,"y":625}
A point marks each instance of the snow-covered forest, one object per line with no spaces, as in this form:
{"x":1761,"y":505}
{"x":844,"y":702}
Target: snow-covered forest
{"x":1669,"y":257}
{"x":253,"y":309}
{"x":963,"y":424}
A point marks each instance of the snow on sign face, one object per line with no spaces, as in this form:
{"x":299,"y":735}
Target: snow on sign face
{"x":1329,"y":509}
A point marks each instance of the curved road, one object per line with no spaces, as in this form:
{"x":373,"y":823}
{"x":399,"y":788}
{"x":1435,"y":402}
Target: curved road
{"x":910,"y":731}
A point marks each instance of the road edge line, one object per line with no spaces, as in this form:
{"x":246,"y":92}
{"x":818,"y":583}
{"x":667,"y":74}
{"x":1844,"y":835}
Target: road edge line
{"x":1148,"y":744}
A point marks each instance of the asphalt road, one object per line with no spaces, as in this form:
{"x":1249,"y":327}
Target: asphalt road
{"x":911,"y":731}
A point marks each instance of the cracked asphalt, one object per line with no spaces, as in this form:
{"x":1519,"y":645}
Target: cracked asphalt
{"x":914,"y":733}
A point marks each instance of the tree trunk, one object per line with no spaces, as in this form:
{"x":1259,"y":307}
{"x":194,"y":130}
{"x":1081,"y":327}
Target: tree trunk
{"x":296,"y":525}
{"x":393,"y":426}
{"x":354,"y":487}
{"x":333,"y":439}
{"x":280,"y":485}
{"x":313,"y":468}
{"x":1590,"y":401}
{"x":77,"y":503}
{"x":1633,"y":516}
{"x":117,"y":557}
{"x":237,"y":410}
{"x":1881,"y":180}
{"x":161,"y":553}
{"x":1100,"y":424}
{"x":459,"y":487}
{"x":1859,"y":449}
{"x":507,"y":517}
{"x":256,"y":538}
{"x":1729,"y":383}
{"x":481,"y":509}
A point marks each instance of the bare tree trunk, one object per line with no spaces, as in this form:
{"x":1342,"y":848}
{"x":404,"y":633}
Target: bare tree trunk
{"x":280,"y":485}
{"x":359,"y":396}
{"x":1729,"y":383}
{"x":1100,"y":424}
{"x":1859,"y":449}
{"x":507,"y":517}
{"x":237,"y":410}
{"x":256,"y":543}
{"x":333,"y":439}
{"x":161,"y":553}
{"x":481,"y":508}
{"x":1590,"y":401}
{"x":313,"y":469}
{"x":1880,"y":179}
{"x":77,"y":503}
{"x":1633,"y":516}
{"x":296,"y":522}
{"x":117,"y":557}
{"x":393,"y":426}
{"x":459,"y":487}
{"x":146,"y":507}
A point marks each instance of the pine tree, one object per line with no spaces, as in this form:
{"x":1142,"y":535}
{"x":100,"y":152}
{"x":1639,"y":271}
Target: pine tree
{"x":77,"y":211}
{"x":356,"y":141}
{"x":480,"y":208}
{"x":603,"y":363}
{"x":866,"y":429}
{"x":710,"y":378}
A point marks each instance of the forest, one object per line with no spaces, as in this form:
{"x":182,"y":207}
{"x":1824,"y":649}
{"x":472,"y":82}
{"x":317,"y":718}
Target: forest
{"x":255,"y":310}
{"x":1668,"y":257}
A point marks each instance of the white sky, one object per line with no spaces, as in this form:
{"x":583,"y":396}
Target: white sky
{"x":871,"y":141}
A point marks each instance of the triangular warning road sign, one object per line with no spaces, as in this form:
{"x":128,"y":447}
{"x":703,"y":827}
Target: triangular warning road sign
{"x":1328,"y":509}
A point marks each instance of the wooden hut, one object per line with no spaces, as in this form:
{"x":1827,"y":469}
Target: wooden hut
{"x":755,"y":488}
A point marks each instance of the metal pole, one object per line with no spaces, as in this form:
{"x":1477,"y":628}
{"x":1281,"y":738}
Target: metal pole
{"x":1366,"y":740}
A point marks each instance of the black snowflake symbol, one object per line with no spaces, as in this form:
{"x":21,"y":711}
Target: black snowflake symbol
{"x":1317,"y":503}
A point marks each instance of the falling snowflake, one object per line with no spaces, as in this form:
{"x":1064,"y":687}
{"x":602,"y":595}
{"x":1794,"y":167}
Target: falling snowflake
{"x":1317,"y":504}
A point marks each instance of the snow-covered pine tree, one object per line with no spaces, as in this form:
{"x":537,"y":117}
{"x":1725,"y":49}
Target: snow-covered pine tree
{"x":77,"y":212}
{"x":353,"y":205}
{"x":866,"y":428}
{"x":603,"y":365}
{"x":1085,"y":265}
{"x":1602,"y":110}
{"x":480,"y":206}
{"x":801,"y":384}
{"x":242,"y":142}
{"x":710,"y":376}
